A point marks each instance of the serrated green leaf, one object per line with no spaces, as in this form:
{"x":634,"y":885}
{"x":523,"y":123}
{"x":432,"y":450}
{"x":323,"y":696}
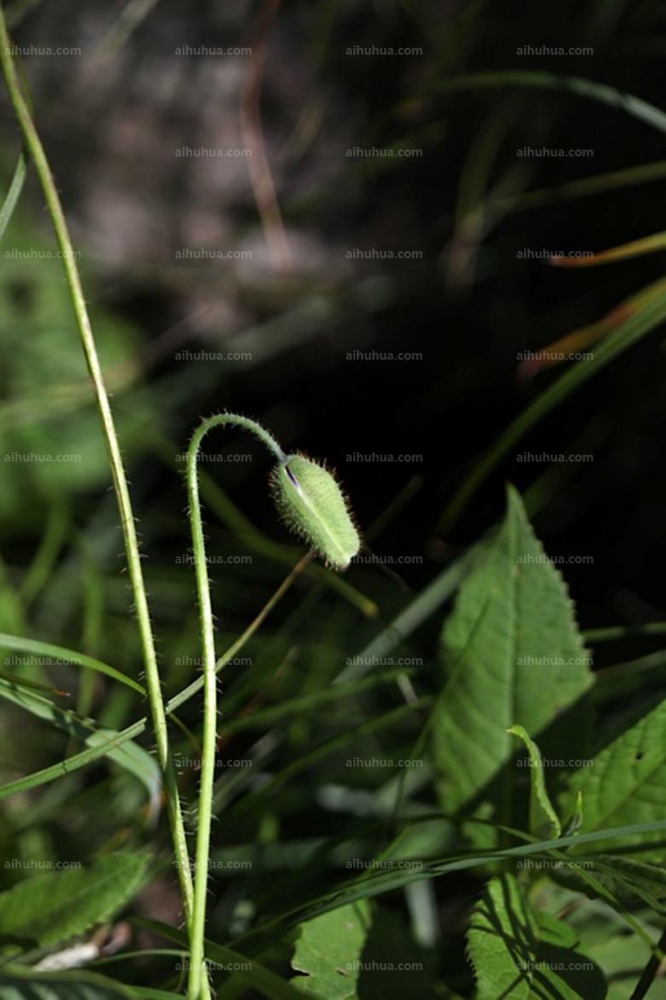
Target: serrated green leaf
{"x":52,"y":907}
{"x":626,"y":783}
{"x":329,"y":951}
{"x":513,"y":958}
{"x":514,"y":658}
{"x":544,"y":821}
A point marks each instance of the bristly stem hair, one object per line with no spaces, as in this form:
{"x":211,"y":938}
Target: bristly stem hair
{"x":312,"y":504}
{"x":38,"y":156}
{"x":197,"y":973}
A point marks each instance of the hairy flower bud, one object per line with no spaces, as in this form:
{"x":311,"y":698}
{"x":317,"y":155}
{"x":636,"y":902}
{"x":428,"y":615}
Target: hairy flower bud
{"x":312,"y":504}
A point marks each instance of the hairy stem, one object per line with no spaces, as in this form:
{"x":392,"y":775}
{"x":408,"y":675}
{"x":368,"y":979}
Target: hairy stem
{"x":198,"y":977}
{"x":38,"y":156}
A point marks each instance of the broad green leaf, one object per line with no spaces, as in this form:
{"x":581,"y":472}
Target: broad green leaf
{"x":514,"y":657}
{"x":329,"y":951}
{"x":17,"y":983}
{"x":353,"y":953}
{"x":128,"y":755}
{"x":513,"y":957}
{"x":544,"y":821}
{"x":51,"y":907}
{"x":626,"y":782}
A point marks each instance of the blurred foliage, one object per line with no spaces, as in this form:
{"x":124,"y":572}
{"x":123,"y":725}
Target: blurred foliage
{"x":51,"y":444}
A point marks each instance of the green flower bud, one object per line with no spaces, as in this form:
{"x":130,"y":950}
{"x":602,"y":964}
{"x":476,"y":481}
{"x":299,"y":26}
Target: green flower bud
{"x":312,"y":504}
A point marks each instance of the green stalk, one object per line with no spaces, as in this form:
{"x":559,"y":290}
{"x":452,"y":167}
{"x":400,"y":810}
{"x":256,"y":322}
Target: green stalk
{"x":198,"y":978}
{"x":38,"y":156}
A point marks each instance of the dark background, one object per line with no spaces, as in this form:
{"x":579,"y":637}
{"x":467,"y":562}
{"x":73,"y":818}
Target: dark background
{"x":111,"y":124}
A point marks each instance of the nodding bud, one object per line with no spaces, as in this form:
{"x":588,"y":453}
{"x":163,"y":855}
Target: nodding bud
{"x":312,"y":504}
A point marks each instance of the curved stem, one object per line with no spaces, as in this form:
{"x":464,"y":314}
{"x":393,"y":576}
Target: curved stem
{"x":198,"y":979}
{"x":34,"y":145}
{"x":246,"y":424}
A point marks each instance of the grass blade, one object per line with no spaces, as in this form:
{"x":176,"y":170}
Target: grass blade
{"x":47,"y":649}
{"x":14,"y":192}
{"x":104,"y":742}
{"x":634,"y":106}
